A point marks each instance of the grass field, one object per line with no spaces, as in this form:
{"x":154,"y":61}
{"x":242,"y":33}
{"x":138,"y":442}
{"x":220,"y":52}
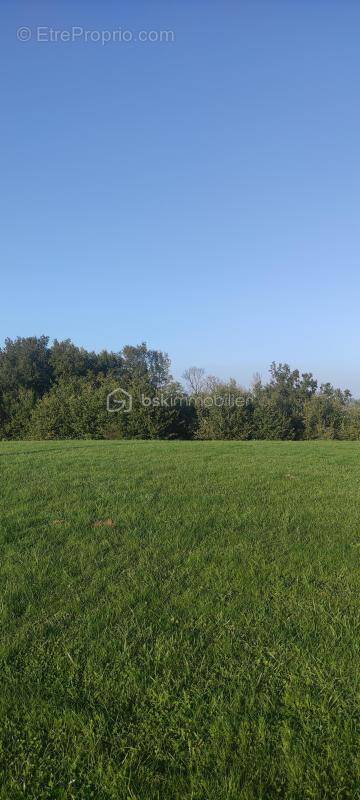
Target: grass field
{"x":180,"y":620}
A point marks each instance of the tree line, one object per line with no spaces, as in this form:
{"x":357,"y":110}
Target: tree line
{"x":61,"y":391}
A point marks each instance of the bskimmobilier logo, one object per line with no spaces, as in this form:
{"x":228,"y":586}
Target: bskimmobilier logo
{"x":119,"y":400}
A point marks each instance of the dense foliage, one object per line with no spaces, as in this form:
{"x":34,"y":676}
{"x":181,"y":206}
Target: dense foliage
{"x":60,"y":391}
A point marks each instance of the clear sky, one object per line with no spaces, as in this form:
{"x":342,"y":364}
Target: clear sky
{"x":201,"y":194}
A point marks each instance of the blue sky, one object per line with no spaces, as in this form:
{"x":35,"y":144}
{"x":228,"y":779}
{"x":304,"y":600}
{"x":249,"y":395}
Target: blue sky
{"x":202,"y":195}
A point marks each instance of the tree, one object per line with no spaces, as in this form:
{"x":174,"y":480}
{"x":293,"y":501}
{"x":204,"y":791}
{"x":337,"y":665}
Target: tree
{"x":195,"y":379}
{"x":60,"y":391}
{"x":278,"y":410}
{"x":225,"y":413}
{"x":69,"y":361}
{"x":351,"y":421}
{"x":140,"y":362}
{"x":25,"y":363}
{"x":323,"y":417}
{"x":25,"y":376}
{"x":75,"y":408}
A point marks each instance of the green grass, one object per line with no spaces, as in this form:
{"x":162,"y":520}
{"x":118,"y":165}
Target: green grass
{"x":204,"y":645}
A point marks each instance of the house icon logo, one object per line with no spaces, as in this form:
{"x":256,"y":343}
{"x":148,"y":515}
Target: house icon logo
{"x":119,"y":400}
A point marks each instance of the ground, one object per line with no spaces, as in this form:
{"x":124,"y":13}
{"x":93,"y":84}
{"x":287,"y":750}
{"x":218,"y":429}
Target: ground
{"x":180,"y":620}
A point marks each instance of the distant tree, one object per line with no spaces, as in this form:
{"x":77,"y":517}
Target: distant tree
{"x":307,"y":386}
{"x":271,"y":420}
{"x":75,"y":408}
{"x":69,"y":361}
{"x":25,"y":363}
{"x":327,"y":412}
{"x":25,"y":375}
{"x":141,"y":363}
{"x":256,"y":385}
{"x":328,"y":390}
{"x":351,"y":421}
{"x":279,"y":412}
{"x":60,"y":391}
{"x":225,"y":412}
{"x":278,"y":408}
{"x":15,"y":413}
{"x":108,"y":363}
{"x":195,"y":379}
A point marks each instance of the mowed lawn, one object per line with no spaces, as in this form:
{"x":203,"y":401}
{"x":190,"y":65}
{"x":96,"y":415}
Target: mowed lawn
{"x":180,"y":620}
